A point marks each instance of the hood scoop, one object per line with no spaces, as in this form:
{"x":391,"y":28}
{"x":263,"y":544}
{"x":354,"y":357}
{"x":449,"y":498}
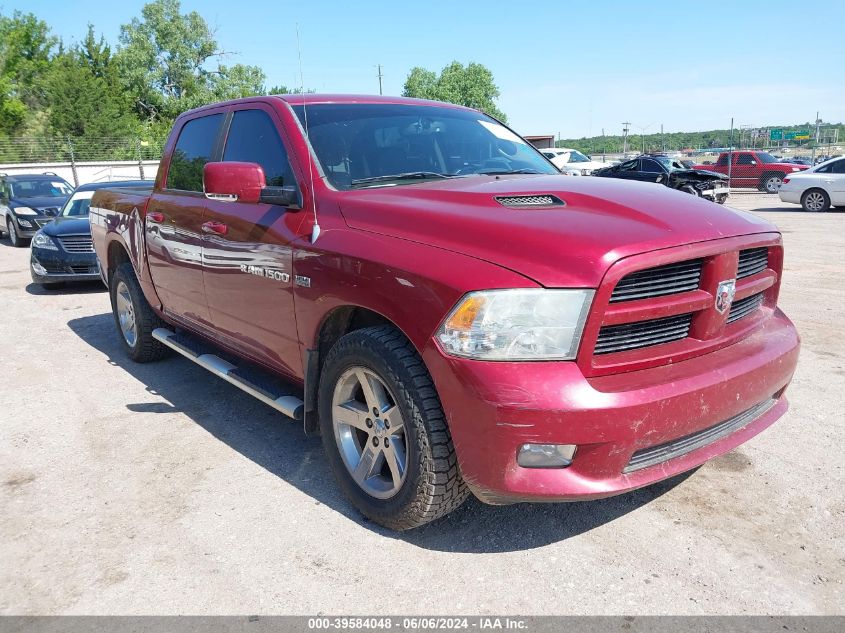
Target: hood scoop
{"x":538,"y":201}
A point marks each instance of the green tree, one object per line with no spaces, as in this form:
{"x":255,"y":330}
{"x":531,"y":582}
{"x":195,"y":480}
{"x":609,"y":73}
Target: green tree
{"x":26,"y":46}
{"x":165,"y":61}
{"x":84,"y":93}
{"x":470,"y":86}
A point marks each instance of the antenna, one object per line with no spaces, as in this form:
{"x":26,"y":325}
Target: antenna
{"x":315,"y":231}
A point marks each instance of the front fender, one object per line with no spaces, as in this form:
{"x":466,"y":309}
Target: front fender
{"x":413,"y":285}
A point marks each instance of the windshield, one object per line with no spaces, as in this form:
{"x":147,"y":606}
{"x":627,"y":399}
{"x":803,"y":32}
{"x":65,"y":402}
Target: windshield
{"x":78,"y":204}
{"x":40,"y":188}
{"x":367,"y":145}
{"x":767,"y":158}
{"x":577,"y":157}
{"x":670,"y":164}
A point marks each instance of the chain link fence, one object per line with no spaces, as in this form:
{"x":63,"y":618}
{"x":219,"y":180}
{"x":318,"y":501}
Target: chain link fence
{"x":16,"y":150}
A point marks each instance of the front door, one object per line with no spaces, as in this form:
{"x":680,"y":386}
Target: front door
{"x":174,"y":223}
{"x":248,"y":251}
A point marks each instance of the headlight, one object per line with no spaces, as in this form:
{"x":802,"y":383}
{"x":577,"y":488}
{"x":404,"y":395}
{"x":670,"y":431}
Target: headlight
{"x":796,"y":169}
{"x":24,"y":211}
{"x":44,"y":241}
{"x":529,"y":324}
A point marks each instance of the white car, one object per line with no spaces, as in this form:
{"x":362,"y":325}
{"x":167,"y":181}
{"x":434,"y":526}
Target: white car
{"x":565,"y":158}
{"x":818,"y":188}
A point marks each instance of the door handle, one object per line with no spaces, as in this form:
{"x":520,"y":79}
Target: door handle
{"x":155,"y":216}
{"x":218,"y":228}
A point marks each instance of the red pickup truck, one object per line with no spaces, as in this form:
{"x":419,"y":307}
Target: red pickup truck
{"x":753,"y":169}
{"x":416,"y":283}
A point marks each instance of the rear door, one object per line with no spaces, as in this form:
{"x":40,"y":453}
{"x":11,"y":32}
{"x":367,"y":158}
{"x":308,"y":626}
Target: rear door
{"x":652,"y":171}
{"x":248,"y":250}
{"x":174,"y":221}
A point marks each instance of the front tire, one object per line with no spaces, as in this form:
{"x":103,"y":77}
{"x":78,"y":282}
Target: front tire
{"x":815,"y":200}
{"x":134,"y":317}
{"x":721,"y":199}
{"x":384,"y":431}
{"x":16,"y":240}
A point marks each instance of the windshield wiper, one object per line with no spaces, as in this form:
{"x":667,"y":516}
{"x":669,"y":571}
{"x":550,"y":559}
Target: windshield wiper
{"x":504,"y":172}
{"x":411,"y":175}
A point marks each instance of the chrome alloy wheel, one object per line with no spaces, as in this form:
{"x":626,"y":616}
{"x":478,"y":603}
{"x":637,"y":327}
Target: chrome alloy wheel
{"x":370,"y":432}
{"x":126,"y":314}
{"x":773,"y":183}
{"x":814,"y":201}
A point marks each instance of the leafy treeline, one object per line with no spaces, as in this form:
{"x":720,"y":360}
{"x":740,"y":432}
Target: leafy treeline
{"x":166,"y":62}
{"x":700,"y":140}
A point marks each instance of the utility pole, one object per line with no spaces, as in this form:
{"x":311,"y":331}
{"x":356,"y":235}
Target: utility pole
{"x":730,"y":153}
{"x":816,"y":144}
{"x":662,"y":143}
{"x":379,"y":79}
{"x":625,"y":127}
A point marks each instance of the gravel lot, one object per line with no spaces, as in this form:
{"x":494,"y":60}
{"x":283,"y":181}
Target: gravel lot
{"x":141,"y":489}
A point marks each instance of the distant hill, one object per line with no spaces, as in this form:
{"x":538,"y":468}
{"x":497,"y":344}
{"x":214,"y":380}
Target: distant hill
{"x":703,"y":140}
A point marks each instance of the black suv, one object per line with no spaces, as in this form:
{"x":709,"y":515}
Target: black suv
{"x":672,"y":173}
{"x":28,"y":202}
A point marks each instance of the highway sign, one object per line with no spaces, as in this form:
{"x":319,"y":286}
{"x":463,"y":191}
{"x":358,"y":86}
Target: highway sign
{"x":776,"y":135}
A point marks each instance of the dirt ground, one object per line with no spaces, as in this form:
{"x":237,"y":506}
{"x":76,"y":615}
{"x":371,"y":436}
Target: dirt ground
{"x":159,"y":489}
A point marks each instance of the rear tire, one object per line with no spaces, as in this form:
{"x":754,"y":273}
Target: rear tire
{"x":134,"y":317}
{"x":771,"y":182}
{"x":815,"y":200}
{"x":412,"y":480}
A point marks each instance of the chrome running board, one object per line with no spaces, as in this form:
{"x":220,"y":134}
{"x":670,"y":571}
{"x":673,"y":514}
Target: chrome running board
{"x":193,"y":350}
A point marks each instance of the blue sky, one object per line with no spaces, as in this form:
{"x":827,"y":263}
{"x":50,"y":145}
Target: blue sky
{"x":562,"y":67}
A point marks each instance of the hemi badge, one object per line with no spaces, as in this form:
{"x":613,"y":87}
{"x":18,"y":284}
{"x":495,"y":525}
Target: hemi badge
{"x":303,"y":281}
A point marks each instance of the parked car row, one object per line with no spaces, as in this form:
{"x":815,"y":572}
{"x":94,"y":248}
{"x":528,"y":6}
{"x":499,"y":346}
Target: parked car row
{"x":44,"y":211}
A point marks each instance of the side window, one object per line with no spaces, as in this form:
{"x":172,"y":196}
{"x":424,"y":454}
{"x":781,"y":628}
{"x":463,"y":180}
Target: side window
{"x":651,"y":167}
{"x":723,"y":160}
{"x":631,"y":165}
{"x":253,"y":139}
{"x":745,"y":159}
{"x":838,"y":167}
{"x":193,"y":150}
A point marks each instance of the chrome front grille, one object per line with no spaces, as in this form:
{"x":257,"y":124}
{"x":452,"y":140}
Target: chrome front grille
{"x":744,"y":307}
{"x":618,"y":338}
{"x":659,"y":281}
{"x":77,"y":244}
{"x":752,"y":261}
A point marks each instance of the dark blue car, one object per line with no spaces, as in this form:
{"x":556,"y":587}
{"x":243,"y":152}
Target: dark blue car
{"x":28,"y":202}
{"x":62,"y":250}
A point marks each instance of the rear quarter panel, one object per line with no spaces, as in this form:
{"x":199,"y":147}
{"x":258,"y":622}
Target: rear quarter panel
{"x":117,"y":221}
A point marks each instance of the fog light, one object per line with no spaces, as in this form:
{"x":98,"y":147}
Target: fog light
{"x":545,"y":455}
{"x":38,"y":268}
{"x":25,"y":223}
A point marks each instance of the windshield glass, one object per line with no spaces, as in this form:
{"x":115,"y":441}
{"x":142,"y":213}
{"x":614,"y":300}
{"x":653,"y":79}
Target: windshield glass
{"x":766,"y":157}
{"x":78,"y":204}
{"x":363,"y":145}
{"x":670,"y":164}
{"x":577,"y":157}
{"x":40,"y":188}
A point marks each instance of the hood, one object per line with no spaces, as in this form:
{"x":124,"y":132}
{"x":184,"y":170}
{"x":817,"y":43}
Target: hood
{"x":44,"y":202}
{"x":603,"y":220}
{"x":698,"y":174}
{"x":66,"y":225}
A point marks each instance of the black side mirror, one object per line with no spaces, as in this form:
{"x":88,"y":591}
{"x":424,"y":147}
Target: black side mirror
{"x":289,"y":197}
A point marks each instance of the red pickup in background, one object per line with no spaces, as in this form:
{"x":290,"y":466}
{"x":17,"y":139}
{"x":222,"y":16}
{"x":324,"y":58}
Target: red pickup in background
{"x":753,"y":169}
